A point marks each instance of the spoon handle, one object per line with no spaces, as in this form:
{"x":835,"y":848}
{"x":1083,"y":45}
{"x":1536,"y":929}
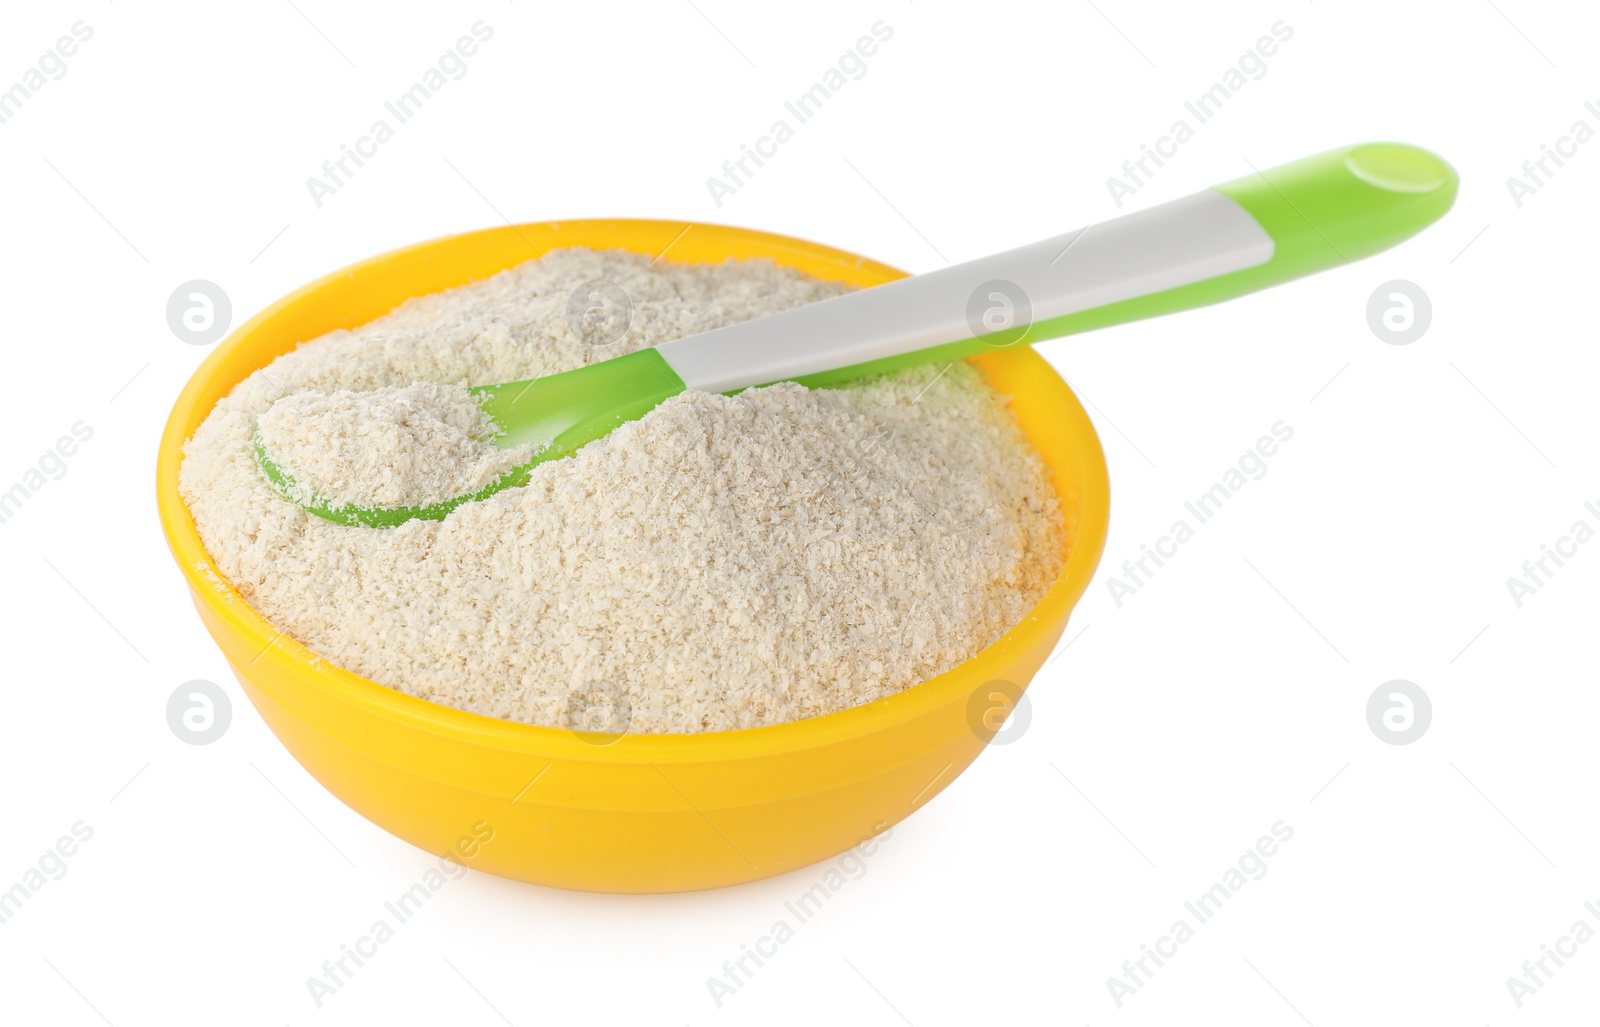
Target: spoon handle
{"x":1239,"y":237}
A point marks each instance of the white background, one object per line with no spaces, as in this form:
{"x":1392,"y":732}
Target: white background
{"x":1228,"y":694}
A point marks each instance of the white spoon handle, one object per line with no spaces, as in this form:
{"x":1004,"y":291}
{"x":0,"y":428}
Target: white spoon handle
{"x":1239,"y":237}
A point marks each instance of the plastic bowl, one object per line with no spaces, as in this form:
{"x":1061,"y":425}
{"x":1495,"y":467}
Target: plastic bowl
{"x":639,"y":813}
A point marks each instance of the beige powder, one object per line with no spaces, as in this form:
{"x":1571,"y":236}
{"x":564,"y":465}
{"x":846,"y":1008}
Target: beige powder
{"x":409,"y":445}
{"x":720,"y":563}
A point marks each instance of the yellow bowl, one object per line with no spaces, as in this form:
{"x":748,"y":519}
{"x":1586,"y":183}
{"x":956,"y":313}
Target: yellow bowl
{"x":644,"y":813}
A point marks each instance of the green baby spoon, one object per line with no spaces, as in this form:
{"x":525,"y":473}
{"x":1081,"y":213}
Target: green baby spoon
{"x":1239,"y":237}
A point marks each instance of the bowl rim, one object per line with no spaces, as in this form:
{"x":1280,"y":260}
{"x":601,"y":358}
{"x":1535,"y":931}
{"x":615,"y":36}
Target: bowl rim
{"x":210,"y":588}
